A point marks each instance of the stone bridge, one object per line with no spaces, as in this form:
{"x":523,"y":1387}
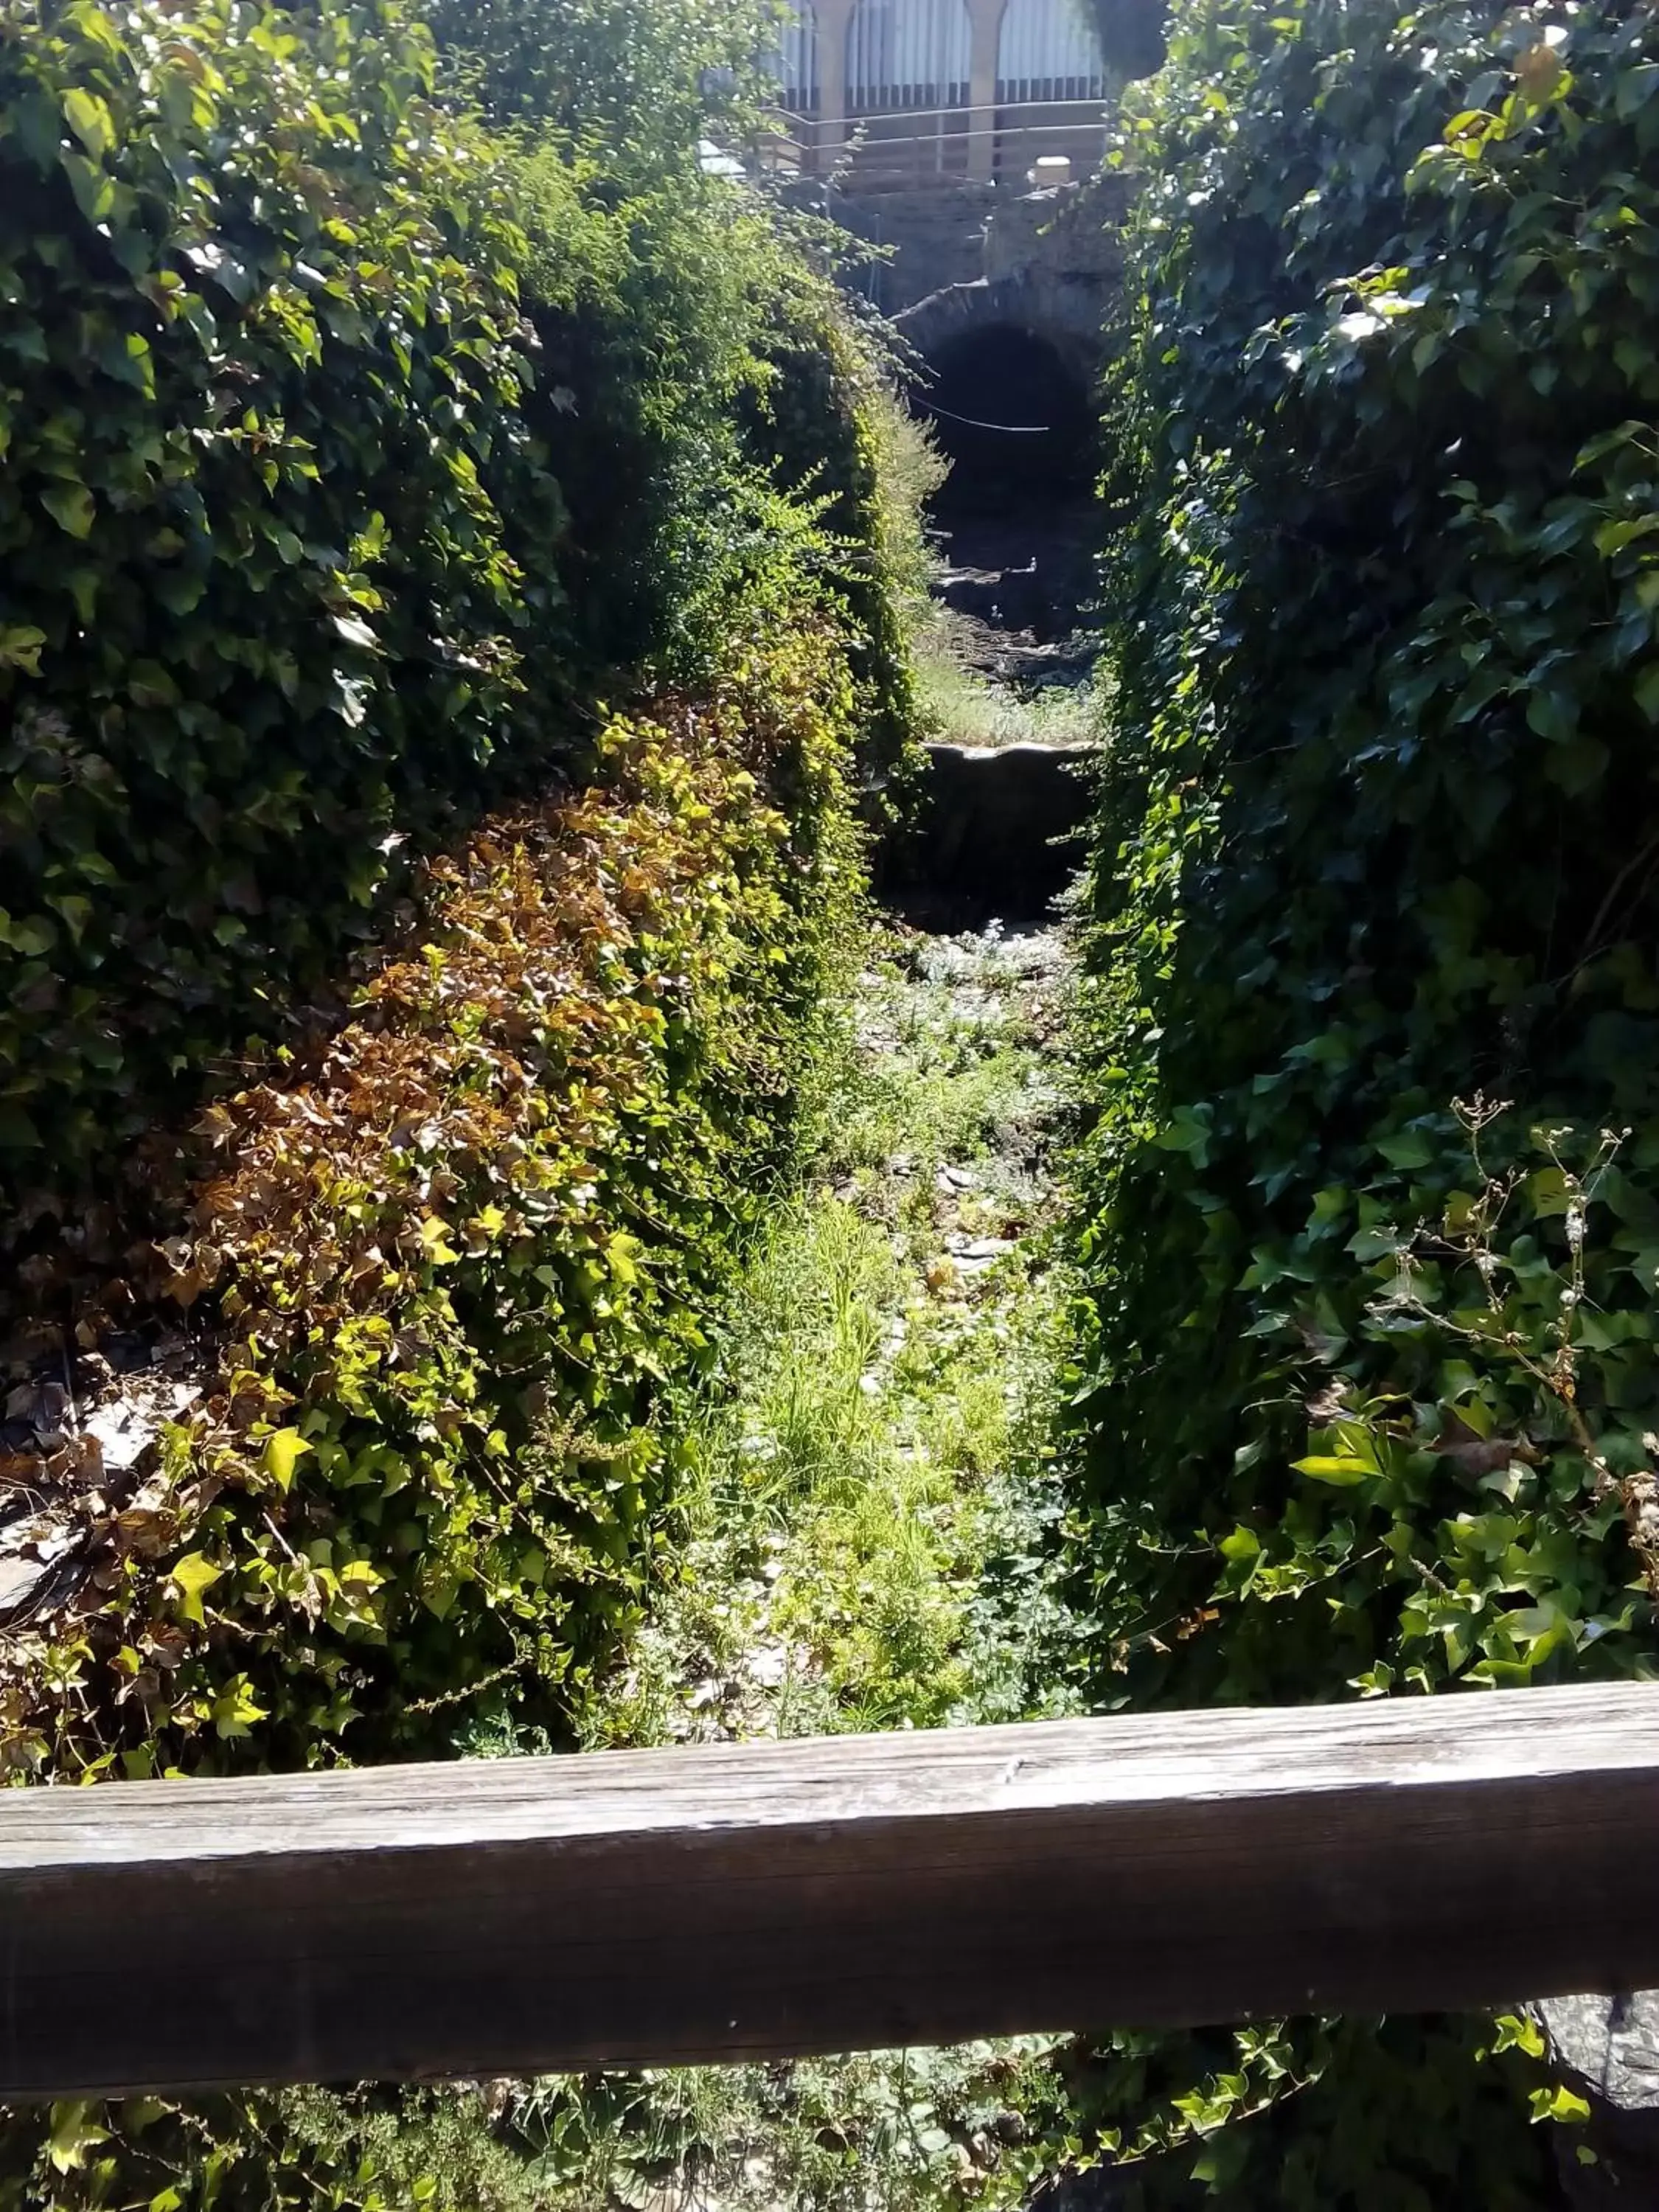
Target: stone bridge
{"x":1006,"y":297}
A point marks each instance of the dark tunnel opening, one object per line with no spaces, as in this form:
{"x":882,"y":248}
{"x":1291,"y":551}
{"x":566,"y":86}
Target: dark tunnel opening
{"x":1012,"y":420}
{"x":1013,"y":526}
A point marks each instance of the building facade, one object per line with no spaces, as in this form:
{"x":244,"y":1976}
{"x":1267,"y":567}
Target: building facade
{"x":972,"y":89}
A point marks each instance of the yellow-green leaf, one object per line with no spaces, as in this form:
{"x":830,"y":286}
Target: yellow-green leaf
{"x":236,"y":1708}
{"x":619,"y":1253}
{"x":1343,"y":1473}
{"x":73,"y":2134}
{"x":283,"y":1454}
{"x":20,"y":647}
{"x":91,"y":121}
{"x":434,"y":1237}
{"x":192,"y":1575}
{"x":1558,"y":2104}
{"x":72,"y":508}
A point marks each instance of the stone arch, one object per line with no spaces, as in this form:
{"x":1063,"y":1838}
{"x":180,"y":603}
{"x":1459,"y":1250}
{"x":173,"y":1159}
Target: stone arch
{"x":1066,"y":318}
{"x":1010,"y":402}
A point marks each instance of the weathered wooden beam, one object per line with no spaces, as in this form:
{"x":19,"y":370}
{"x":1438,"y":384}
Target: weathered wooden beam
{"x":762,"y":1900}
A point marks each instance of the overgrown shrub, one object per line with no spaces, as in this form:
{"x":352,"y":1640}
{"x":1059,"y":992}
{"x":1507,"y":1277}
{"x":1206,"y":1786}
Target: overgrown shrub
{"x":1390,"y":2116}
{"x":274,"y":536}
{"x":824,"y":420}
{"x":1391,"y":677}
{"x":696,"y":364}
{"x":350,"y":459}
{"x":635,"y":87}
{"x":1370,"y":1393}
{"x":734,"y":349}
{"x":449,"y":1256}
{"x":363,"y":2150}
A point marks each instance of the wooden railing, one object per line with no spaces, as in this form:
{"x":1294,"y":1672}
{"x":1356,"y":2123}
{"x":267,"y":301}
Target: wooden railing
{"x":763,"y":1900}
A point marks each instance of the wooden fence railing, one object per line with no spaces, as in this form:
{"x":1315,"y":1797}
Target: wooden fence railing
{"x":762,"y":1900}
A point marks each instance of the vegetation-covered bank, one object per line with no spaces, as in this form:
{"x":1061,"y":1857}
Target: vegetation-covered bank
{"x":857,"y":1501}
{"x":444,"y":1260}
{"x":1373,"y":1212}
{"x":352,"y":451}
{"x":450,"y":582}
{"x":355,"y":454}
{"x":421,"y":1503}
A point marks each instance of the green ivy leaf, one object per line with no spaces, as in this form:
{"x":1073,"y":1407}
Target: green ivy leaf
{"x":74,"y":2133}
{"x":1340,"y":1472}
{"x":20,"y":647}
{"x":284,"y":1452}
{"x":71,"y":507}
{"x":90,"y":118}
{"x":192,"y":1577}
{"x":1560,"y":2103}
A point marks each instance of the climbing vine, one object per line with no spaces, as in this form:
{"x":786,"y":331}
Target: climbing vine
{"x":1377,"y":1176}
{"x":1368,"y":1402}
{"x":447,"y":608}
{"x":446,"y":1255}
{"x":353,"y":451}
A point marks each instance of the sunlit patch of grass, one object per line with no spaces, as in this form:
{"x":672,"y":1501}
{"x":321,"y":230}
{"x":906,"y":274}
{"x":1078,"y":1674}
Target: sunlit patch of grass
{"x":962,"y":707}
{"x":864,"y":1497}
{"x":887,"y":2131}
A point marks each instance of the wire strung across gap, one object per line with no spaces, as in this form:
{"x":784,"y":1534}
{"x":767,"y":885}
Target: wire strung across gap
{"x":1009,"y":429}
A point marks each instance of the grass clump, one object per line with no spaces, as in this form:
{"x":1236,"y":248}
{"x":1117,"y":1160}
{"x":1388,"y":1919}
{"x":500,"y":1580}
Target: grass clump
{"x":967,"y":709}
{"x":888,"y":2131}
{"x":962,"y":706}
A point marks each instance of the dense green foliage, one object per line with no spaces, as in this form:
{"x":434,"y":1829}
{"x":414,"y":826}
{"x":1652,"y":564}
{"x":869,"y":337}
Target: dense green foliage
{"x":466,"y":1221}
{"x":731,"y":350}
{"x":1375,"y":1370}
{"x":1369,"y":1388}
{"x":1131,"y":34}
{"x":449,"y":558}
{"x":451,"y":1253}
{"x":1405,"y":2115}
{"x":350,"y":454}
{"x":635,"y":85}
{"x":275,"y":538}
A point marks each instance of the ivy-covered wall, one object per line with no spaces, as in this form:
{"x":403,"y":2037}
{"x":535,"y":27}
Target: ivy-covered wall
{"x":274,"y":535}
{"x":1375,"y":1220}
{"x":351,"y":454}
{"x":1368,"y":1395}
{"x":448,"y":574}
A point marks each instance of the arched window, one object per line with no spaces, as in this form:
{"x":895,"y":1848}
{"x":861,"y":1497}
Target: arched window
{"x":1047,"y":51}
{"x":907,"y":53}
{"x":795,"y":64}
